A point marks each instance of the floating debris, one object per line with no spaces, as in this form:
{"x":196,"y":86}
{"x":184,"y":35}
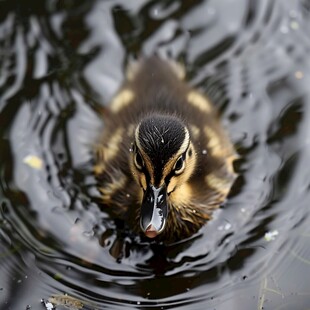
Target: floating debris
{"x":69,"y":302}
{"x":271,"y":235}
{"x":33,"y":161}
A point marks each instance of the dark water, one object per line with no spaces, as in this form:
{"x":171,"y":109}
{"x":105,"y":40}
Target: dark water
{"x":61,"y":60}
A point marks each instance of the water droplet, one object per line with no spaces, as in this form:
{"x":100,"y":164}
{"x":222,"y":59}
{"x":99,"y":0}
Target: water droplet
{"x":227,"y":226}
{"x":155,"y":12}
{"x":210,"y":11}
{"x":293,"y":14}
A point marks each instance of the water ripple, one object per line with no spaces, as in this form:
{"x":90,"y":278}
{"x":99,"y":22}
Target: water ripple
{"x":61,"y":63}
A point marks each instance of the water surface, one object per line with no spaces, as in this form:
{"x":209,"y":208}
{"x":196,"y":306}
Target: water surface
{"x":61,"y":62}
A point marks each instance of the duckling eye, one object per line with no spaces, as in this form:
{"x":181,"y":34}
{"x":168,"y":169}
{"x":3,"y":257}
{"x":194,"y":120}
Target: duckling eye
{"x":179,"y":165}
{"x":138,"y":161}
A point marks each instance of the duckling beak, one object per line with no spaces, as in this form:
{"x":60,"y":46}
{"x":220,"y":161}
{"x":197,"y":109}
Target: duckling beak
{"x":154,"y":210}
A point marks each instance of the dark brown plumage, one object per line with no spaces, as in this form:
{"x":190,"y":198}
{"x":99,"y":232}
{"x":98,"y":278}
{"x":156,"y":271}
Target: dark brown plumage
{"x":163,"y":162}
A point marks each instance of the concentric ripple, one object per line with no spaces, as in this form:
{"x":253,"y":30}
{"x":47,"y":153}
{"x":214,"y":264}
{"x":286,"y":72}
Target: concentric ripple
{"x":61,"y":62}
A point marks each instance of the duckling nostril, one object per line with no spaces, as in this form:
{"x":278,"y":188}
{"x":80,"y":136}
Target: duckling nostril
{"x":151,"y":231}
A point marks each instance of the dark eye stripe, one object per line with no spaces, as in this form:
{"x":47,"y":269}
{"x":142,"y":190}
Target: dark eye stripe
{"x":138,"y":161}
{"x":172,"y":172}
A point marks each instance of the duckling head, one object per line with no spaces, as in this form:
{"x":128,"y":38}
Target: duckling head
{"x":163,"y":159}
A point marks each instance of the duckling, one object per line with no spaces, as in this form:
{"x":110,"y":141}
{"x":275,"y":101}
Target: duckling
{"x":163,"y":161}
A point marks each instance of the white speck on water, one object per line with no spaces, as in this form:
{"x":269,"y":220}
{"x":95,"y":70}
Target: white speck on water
{"x":204,"y":152}
{"x":127,"y":195}
{"x":242,"y":210}
{"x":271,"y":235}
{"x":227,"y":226}
{"x":48,"y":305}
{"x":284,"y":29}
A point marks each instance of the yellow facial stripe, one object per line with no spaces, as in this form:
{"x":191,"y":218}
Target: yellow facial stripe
{"x":178,"y":180}
{"x":199,"y":101}
{"x":122,"y":99}
{"x":171,"y":162}
{"x":182,"y":196}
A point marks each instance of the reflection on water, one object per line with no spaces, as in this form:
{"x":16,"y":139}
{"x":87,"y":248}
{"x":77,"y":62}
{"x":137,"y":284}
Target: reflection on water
{"x":61,"y":61}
